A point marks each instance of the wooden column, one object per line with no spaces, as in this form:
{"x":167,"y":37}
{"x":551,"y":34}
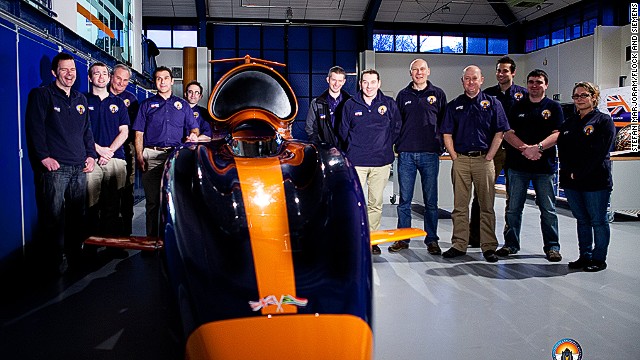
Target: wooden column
{"x":190,"y":66}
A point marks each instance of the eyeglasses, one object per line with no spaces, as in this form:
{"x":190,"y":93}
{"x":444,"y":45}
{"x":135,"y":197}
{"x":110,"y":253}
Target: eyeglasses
{"x":193,"y":92}
{"x":581,"y":96}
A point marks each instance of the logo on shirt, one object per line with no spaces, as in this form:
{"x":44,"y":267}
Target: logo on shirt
{"x":517,"y":96}
{"x":546,"y":114}
{"x":127,"y":102}
{"x":407,"y":103}
{"x":588,"y":130}
{"x":114,"y":108}
{"x":323,"y":116}
{"x":382,"y":109}
{"x":154,"y":105}
{"x":196,"y":114}
{"x":431,"y":99}
{"x":178,"y":105}
{"x":484,"y":104}
{"x":80,"y":109}
{"x":460,"y":107}
{"x":91,"y":108}
{"x":358,"y":113}
{"x":521,"y":115}
{"x":56,"y":109}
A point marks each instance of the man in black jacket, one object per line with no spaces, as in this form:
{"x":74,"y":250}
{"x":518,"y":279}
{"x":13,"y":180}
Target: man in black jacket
{"x":323,"y":118}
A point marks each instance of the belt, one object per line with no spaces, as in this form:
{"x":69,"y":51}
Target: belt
{"x":473,"y":153}
{"x":161,"y":148}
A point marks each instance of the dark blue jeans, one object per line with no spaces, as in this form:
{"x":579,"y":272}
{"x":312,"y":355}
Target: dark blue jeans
{"x":61,"y":209}
{"x":428,"y":164}
{"x":546,"y":201}
{"x":590,"y":210}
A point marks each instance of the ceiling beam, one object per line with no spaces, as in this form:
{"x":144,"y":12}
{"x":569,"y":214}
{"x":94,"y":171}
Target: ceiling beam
{"x":369,"y":19}
{"x":201,"y":12}
{"x":504,"y":12}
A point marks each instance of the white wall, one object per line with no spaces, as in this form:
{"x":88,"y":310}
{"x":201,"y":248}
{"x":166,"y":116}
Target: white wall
{"x":446,"y":71}
{"x":67,"y":12}
{"x":173,"y":57}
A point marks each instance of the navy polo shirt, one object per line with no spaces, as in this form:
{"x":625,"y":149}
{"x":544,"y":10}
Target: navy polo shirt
{"x":333,"y":105}
{"x":106,"y":118}
{"x":473,"y":122}
{"x":57,"y":126}
{"x":422,"y":112}
{"x":202,"y":117}
{"x":532,"y":123}
{"x":370,"y":130}
{"x":513,"y":95}
{"x":164,"y":122}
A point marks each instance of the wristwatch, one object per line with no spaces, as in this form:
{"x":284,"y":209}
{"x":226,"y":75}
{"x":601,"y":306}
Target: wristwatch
{"x":540,"y":147}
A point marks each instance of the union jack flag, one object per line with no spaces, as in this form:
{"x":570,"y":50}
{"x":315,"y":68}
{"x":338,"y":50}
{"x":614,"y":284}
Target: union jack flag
{"x":617,"y":105}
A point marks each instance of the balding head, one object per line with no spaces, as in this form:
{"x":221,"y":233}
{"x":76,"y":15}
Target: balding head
{"x":472,"y":80}
{"x":419,"y":71}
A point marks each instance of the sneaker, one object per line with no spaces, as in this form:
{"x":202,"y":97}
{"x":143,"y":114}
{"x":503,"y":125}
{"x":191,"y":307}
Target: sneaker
{"x":375,"y":250}
{"x":490,"y":256}
{"x":506,"y":251}
{"x":398,"y":245}
{"x":433,"y":248}
{"x":452,"y":252}
{"x":581,"y":263}
{"x":554,"y":256}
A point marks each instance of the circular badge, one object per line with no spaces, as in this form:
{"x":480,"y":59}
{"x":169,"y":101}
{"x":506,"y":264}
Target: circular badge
{"x":517,"y":95}
{"x":588,"y":130}
{"x":80,"y":109}
{"x":113,"y":108}
{"x":431,"y":99}
{"x":546,"y":114}
{"x":382,"y":109}
{"x":127,"y":102}
{"x":484,"y":104}
{"x":566,"y":349}
{"x":195,"y":114}
{"x":178,"y":105}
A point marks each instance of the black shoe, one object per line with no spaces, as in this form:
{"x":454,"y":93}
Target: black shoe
{"x":452,"y":252}
{"x":580,"y":263}
{"x":398,"y":245}
{"x":433,"y":248}
{"x":554,"y":256}
{"x":506,"y":251}
{"x":596,"y":266}
{"x":375,"y":250}
{"x":490,"y":256}
{"x":63,"y":265}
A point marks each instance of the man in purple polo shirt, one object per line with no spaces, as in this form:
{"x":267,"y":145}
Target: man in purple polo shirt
{"x":110,"y":127}
{"x":160,"y":125}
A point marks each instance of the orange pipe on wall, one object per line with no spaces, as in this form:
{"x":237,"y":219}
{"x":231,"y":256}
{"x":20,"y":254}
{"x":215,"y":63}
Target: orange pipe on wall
{"x":189,"y":66}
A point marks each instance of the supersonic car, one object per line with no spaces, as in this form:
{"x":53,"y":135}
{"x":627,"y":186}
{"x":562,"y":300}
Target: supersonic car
{"x":266,"y":238}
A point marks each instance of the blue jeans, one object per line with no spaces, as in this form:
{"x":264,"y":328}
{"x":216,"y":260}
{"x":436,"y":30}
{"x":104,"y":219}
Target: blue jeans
{"x":428,"y":164}
{"x":61,"y":209}
{"x":546,"y":201}
{"x":590,"y":210}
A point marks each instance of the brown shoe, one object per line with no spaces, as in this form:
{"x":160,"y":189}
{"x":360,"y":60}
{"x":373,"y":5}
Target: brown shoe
{"x":554,"y":256}
{"x":433,"y":248}
{"x":375,"y":250}
{"x":398,"y":245}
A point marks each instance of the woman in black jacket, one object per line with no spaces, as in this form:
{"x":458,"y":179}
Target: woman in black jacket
{"x":585,"y":174}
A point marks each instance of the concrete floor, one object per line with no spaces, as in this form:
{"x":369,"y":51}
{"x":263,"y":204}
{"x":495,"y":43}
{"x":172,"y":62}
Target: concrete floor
{"x":426,"y":307}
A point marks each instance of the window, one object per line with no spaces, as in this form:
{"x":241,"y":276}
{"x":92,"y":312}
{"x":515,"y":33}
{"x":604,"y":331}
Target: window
{"x":383,"y":42}
{"x":452,"y":44}
{"x":162,"y":38}
{"x":557,"y":37}
{"x":572,"y":32}
{"x":530,"y":45}
{"x":476,"y":45}
{"x":498,"y":46}
{"x":543,"y":41}
{"x":406,"y":43}
{"x":588,"y":27}
{"x":182,"y":38}
{"x":430,"y":43}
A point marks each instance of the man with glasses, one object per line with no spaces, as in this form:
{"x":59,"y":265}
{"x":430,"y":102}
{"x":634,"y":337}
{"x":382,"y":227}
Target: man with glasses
{"x":193,"y":94}
{"x":531,"y":157}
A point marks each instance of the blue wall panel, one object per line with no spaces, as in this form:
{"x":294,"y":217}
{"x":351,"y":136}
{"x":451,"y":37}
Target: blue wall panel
{"x":299,"y":37}
{"x":10,"y":214}
{"x":321,"y":62}
{"x":299,"y":61}
{"x":224,"y":37}
{"x":273,"y":37}
{"x":35,"y":57}
{"x":348,"y":60}
{"x":249,"y":37}
{"x":322,"y":38}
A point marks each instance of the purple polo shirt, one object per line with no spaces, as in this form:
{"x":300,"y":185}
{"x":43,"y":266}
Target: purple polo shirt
{"x":202,"y":117}
{"x":106,"y":118}
{"x":164,"y":122}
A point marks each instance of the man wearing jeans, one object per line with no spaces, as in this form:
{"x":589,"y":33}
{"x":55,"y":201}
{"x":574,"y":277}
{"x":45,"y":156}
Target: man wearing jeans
{"x":534,"y":123}
{"x":421,"y":106}
{"x":61,"y":152}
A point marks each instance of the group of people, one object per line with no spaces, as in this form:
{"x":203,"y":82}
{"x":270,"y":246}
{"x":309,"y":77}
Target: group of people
{"x":505,"y":127}
{"x":84,"y":148}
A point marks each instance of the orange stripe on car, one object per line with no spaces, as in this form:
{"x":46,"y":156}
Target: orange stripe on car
{"x":266,"y":210}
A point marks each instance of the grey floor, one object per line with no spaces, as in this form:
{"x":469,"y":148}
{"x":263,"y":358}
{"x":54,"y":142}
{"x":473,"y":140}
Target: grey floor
{"x":426,"y":307}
